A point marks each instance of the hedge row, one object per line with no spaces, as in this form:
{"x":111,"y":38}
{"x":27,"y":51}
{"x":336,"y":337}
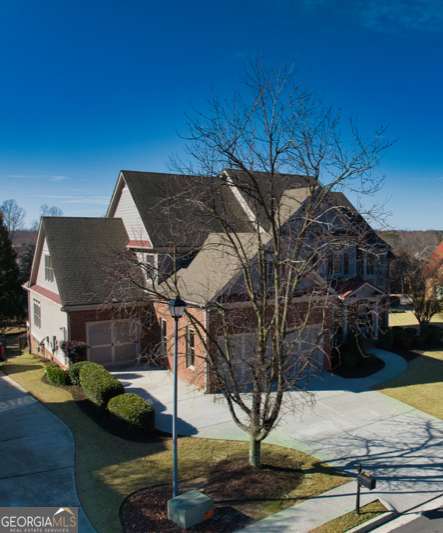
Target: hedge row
{"x":56,"y":375}
{"x":129,"y":411}
{"x":98,"y":384}
{"x":407,"y":338}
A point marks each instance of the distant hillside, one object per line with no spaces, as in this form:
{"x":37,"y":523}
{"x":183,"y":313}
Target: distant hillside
{"x":412,"y":242}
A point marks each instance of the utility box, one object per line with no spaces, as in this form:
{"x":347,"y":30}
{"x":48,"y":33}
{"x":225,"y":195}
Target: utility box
{"x":190,"y":508}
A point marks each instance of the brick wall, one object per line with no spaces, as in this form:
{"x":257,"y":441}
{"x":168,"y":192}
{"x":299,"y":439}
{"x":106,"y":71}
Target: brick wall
{"x":197,"y":374}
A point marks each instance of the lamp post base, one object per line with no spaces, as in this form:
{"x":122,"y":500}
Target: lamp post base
{"x":190,"y":508}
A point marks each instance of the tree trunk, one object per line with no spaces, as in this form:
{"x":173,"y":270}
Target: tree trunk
{"x":254,"y":452}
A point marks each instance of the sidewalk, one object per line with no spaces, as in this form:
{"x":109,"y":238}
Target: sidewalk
{"x":37,"y":453}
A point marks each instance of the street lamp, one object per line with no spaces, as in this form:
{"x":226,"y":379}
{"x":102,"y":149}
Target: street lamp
{"x":176,"y":308}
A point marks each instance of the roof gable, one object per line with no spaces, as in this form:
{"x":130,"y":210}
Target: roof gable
{"x":174,"y":207}
{"x":84,"y":252}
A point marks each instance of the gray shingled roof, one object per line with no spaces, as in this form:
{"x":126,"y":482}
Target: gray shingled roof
{"x":259,"y":188}
{"x":215,"y":266}
{"x":84,"y":252}
{"x":174,"y":207}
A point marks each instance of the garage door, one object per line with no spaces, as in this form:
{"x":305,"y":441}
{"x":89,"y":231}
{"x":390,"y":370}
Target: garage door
{"x":113,"y":341}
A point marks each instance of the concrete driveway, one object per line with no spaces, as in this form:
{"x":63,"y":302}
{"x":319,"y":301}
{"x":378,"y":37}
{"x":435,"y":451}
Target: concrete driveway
{"x":37,"y":455}
{"x":347,"y":425}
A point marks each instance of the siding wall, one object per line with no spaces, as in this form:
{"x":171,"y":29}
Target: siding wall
{"x":50,"y":285}
{"x":54,"y":323}
{"x":128,"y":212}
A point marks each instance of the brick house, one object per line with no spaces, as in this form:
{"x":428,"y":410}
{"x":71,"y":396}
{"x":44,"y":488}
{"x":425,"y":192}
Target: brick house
{"x":434,"y":272}
{"x":69,"y":286}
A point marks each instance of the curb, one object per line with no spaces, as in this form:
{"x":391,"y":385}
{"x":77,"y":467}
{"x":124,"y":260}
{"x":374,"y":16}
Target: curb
{"x":374,"y":522}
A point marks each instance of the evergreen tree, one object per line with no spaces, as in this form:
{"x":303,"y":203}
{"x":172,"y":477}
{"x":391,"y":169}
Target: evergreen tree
{"x":11,"y":297}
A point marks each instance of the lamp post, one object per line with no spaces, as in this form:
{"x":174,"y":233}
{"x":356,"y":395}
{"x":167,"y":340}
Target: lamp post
{"x":177,"y":308}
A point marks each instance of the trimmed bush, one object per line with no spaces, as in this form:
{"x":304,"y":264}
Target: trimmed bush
{"x":404,"y":338}
{"x":430,"y":337}
{"x":74,"y":370}
{"x":133,"y":411}
{"x":56,"y":375}
{"x":98,"y":384}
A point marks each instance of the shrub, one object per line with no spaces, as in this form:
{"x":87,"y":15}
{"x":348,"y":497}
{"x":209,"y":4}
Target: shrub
{"x":352,"y":350}
{"x":74,"y":370}
{"x":404,"y":338}
{"x":98,"y":384}
{"x":430,"y":337}
{"x":56,"y":375}
{"x":133,"y":411}
{"x":75,"y":351}
{"x":386,"y":340}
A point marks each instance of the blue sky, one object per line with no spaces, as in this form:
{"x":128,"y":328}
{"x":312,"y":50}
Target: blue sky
{"x":89,"y":87}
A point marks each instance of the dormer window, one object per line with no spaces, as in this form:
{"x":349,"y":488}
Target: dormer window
{"x":49,"y":271}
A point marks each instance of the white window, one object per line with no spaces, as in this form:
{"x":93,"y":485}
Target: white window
{"x":151,"y":265}
{"x":49,"y":271}
{"x":370,"y":264}
{"x":190,"y":347}
{"x":37,"y":314}
{"x":335,"y":264}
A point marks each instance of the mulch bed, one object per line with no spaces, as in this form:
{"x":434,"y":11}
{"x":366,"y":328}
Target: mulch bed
{"x":145,"y":512}
{"x":232,"y":484}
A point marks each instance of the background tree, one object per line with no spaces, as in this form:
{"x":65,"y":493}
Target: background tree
{"x":13,"y":216}
{"x":10,"y":289}
{"x":419,"y":279}
{"x":278,"y":130}
{"x":25,"y":263}
{"x":50,"y":211}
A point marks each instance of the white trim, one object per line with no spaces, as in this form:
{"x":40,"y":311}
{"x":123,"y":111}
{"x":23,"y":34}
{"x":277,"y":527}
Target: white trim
{"x":243,"y":203}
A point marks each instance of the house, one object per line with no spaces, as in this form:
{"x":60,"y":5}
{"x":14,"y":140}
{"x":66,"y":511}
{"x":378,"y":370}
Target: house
{"x":73,"y":296}
{"x":434,"y":274}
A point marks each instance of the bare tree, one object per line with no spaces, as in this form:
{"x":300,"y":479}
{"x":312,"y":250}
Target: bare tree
{"x":287,"y":165}
{"x":50,"y":211}
{"x":420,"y":279}
{"x":13,"y":215}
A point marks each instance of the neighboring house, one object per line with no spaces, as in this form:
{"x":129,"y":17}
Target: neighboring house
{"x":67,"y":292}
{"x":70,"y":283}
{"x":435,"y":273}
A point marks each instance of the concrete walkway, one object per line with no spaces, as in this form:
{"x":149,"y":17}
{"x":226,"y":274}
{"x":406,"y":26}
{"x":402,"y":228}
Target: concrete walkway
{"x":347,"y":425}
{"x":37,"y":455}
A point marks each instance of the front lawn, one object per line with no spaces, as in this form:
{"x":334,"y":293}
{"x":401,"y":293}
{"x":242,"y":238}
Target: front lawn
{"x":421,"y":386}
{"x":407,"y":318}
{"x":109,"y":468}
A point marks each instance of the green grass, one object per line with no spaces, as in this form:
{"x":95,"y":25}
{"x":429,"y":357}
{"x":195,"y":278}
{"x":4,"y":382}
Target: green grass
{"x":421,"y":386}
{"x":350,"y":520}
{"x":109,"y":468}
{"x":407,"y":318}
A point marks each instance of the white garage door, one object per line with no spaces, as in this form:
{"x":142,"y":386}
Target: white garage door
{"x":113,"y":341}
